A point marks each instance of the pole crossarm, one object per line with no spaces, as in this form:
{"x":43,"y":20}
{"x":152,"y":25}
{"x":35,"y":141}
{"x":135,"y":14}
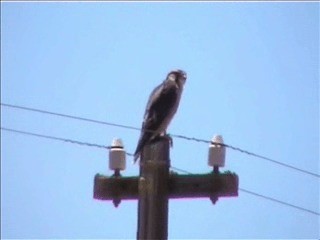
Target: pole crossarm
{"x":180,"y":186}
{"x":155,"y":185}
{"x":203,"y":185}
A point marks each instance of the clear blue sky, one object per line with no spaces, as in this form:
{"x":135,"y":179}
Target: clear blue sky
{"x":253,"y":76}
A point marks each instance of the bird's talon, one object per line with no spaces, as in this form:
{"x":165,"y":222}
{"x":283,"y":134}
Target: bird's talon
{"x":170,"y":139}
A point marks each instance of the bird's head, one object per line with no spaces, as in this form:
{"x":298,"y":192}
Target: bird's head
{"x":178,"y":76}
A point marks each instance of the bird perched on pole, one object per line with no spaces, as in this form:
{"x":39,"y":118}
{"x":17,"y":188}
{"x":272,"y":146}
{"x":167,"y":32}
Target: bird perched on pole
{"x":161,"y":107}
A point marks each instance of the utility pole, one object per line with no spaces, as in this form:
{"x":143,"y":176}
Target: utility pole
{"x":153,"y":191}
{"x":156,"y":185}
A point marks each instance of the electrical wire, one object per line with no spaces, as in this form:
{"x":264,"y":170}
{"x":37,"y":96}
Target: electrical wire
{"x":67,"y":116}
{"x":55,"y":138}
{"x":273,"y":161}
{"x":279,"y":201}
{"x":66,"y":140}
{"x":180,"y":170}
{"x":172,"y":135}
{"x":248,"y":153}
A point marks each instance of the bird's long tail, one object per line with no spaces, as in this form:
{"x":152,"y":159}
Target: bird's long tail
{"x":144,"y":139}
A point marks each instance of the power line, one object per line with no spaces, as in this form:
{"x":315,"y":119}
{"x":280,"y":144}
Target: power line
{"x":172,"y":167}
{"x":279,"y":201}
{"x":55,"y":138}
{"x":180,"y":170}
{"x":67,"y":140}
{"x":247,"y":152}
{"x":274,"y":161}
{"x":173,"y":135}
{"x":68,"y":116}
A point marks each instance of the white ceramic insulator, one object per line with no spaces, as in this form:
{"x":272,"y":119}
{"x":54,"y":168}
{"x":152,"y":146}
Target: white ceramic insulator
{"x":217,"y":153}
{"x":117,"y":155}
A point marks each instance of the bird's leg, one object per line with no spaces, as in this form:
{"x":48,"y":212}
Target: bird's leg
{"x":167,"y":136}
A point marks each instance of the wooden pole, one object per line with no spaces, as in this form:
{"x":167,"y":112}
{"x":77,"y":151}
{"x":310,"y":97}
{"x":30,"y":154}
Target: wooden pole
{"x":153,"y":191}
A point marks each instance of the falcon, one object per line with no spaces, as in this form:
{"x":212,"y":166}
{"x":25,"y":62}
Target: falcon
{"x":161,"y":107}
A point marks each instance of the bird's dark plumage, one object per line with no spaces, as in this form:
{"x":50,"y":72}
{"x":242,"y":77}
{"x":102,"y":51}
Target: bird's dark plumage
{"x":161,"y":107}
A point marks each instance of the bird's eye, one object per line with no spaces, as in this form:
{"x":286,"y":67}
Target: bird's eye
{"x":172,"y":77}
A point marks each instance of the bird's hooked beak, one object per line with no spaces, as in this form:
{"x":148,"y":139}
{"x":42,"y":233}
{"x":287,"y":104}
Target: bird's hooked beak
{"x":183,"y":76}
